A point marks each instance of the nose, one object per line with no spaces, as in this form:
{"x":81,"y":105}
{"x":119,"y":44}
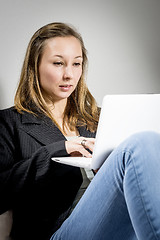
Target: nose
{"x":68,"y":73}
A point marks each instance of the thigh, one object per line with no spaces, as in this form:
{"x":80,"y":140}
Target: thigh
{"x":101,"y":213}
{"x":119,"y":202}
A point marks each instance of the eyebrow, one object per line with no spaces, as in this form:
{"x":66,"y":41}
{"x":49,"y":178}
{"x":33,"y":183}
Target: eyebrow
{"x":63,"y":57}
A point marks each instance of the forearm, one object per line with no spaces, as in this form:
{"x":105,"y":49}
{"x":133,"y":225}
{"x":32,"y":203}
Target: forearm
{"x":15,"y":180}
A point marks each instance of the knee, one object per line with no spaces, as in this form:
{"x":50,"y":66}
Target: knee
{"x":141,"y":156}
{"x":144,"y":138}
{"x":143,"y":142}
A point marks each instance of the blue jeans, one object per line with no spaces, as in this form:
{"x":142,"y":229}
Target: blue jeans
{"x":123,"y":200}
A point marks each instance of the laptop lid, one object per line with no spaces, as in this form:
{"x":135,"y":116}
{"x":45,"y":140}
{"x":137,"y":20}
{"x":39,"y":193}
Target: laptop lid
{"x":122,"y":116}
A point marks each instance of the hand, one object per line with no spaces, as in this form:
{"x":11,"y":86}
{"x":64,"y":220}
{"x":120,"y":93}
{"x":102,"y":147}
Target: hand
{"x":75,"y":148}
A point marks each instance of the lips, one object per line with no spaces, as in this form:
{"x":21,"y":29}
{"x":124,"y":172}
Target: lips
{"x":65,"y":87}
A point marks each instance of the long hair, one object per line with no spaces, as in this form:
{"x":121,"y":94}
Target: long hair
{"x":81,"y":109}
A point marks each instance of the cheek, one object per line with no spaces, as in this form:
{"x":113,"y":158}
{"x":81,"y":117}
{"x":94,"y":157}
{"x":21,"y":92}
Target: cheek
{"x":78,"y":75}
{"x":48,"y":77}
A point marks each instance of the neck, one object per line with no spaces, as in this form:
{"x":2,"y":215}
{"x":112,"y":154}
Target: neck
{"x":57,"y":108}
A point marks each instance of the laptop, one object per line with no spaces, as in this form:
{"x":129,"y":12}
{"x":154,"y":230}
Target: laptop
{"x":121,"y":116}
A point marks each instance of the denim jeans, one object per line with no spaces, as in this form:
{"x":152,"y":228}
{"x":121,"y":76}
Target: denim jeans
{"x":123,"y":200}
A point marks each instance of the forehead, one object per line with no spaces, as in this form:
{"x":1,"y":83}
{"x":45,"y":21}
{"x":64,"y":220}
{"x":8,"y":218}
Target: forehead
{"x":63,"y":46}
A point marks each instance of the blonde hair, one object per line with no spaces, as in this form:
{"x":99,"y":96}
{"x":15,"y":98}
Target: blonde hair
{"x":81,"y":107}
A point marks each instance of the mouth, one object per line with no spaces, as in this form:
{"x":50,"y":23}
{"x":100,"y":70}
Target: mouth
{"x":65,"y":87}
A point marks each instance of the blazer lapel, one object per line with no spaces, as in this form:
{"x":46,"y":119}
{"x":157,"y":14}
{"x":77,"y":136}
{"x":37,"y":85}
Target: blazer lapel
{"x":45,"y":131}
{"x":42,"y":129}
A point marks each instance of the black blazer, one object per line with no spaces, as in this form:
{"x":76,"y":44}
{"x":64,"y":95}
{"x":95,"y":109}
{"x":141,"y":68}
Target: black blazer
{"x":39,"y":191}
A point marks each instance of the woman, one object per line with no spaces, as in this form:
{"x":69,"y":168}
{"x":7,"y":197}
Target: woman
{"x":55,"y":115}
{"x":52,"y":104}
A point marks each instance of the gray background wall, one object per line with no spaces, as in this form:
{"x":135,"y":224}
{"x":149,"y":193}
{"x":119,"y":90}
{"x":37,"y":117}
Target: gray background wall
{"x":122,"y":38}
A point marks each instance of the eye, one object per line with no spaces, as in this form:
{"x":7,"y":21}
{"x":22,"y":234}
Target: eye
{"x":77,"y":64}
{"x":58,"y":63}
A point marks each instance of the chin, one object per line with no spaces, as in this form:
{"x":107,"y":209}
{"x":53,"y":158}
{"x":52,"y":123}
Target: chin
{"x":61,"y":97}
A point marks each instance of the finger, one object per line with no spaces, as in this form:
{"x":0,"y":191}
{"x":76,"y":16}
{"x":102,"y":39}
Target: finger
{"x":84,"y":152}
{"x":77,"y":146}
{"x":88,"y":143}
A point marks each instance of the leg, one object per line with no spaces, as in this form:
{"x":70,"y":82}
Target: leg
{"x":123,"y":200}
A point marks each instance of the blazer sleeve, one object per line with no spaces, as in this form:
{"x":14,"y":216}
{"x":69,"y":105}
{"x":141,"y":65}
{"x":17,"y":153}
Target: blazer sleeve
{"x":17,"y":176}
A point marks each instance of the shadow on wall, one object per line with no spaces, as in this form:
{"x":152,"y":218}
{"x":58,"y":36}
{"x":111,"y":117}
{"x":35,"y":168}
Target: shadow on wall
{"x":2,"y":97}
{"x":7,"y":93}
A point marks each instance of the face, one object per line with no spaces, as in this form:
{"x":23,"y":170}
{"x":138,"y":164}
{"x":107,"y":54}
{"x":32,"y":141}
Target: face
{"x":60,"y":67}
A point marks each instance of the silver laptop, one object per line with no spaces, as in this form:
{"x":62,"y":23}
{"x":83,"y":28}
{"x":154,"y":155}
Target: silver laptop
{"x":121,"y":116}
